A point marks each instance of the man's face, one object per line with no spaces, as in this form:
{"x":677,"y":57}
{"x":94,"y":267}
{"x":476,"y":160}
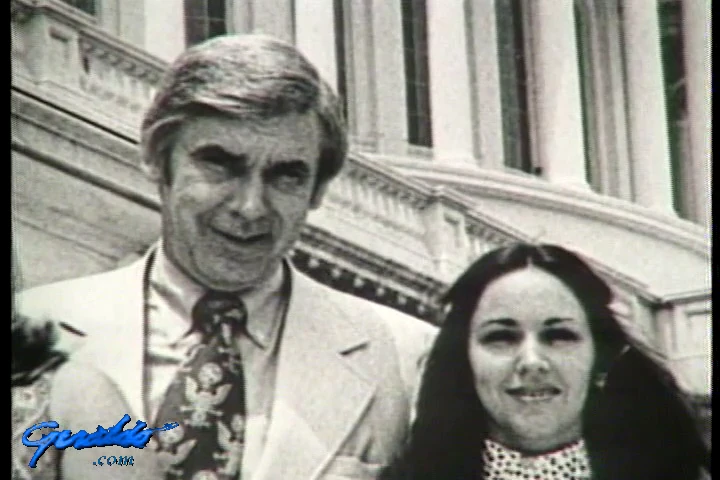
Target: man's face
{"x":238,"y":195}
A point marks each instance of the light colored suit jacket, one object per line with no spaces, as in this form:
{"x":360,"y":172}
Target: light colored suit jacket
{"x":347,"y":374}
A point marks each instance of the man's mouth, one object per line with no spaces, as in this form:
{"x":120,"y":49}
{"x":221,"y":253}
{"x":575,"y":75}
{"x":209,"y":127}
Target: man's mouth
{"x":534,"y":394}
{"x":245,"y":239}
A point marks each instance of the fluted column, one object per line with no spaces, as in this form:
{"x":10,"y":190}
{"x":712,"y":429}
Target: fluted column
{"x":647,"y":115}
{"x":361,"y":84}
{"x":389,"y":71}
{"x":697,"y":38}
{"x":450,"y":98}
{"x":485,"y":72}
{"x":559,"y":135}
{"x":163,"y":24}
{"x":315,"y":36}
{"x":272,"y":17}
{"x":240,"y":17}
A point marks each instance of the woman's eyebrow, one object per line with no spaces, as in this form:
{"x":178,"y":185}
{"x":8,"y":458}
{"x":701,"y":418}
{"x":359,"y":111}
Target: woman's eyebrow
{"x":504,"y":322}
{"x":553,"y":321}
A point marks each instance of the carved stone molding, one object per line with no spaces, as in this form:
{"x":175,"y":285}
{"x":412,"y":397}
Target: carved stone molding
{"x":504,"y":185}
{"x":67,"y":125}
{"x":142,"y":69}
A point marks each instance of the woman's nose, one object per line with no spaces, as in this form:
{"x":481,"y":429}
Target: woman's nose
{"x":531,"y":359}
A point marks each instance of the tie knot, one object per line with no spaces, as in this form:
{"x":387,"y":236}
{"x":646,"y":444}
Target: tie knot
{"x":215,"y":309}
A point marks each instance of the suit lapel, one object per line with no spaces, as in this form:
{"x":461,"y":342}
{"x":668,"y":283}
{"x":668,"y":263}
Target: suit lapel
{"x":320,"y":392}
{"x":116,"y":346}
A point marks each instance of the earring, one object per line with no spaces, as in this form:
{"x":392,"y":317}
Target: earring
{"x":599,"y":380}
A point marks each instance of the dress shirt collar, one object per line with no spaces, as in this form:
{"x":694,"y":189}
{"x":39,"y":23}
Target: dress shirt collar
{"x":264,"y":304}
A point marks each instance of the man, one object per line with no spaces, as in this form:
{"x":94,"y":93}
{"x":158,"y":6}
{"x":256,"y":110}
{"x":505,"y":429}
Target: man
{"x":269,"y":374}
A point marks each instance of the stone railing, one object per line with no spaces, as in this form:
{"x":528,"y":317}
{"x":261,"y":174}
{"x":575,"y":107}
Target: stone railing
{"x":431,"y":230}
{"x":684,"y":327}
{"x":61,"y":56}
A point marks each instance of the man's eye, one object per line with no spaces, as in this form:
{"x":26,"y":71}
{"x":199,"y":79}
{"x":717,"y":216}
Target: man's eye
{"x":556,"y":335}
{"x":289,"y":180}
{"x":217,"y":160}
{"x":500,"y":337}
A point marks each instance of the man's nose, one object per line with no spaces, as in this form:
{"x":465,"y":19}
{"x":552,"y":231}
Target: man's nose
{"x":248,"y":199}
{"x":531,"y":359}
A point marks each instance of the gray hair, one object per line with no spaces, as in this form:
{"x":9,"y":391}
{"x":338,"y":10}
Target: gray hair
{"x":246,"y":77}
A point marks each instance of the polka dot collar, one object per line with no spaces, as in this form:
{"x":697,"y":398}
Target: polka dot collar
{"x":569,"y":463}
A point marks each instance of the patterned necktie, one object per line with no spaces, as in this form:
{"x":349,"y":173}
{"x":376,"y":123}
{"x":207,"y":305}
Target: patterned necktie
{"x":207,"y":398}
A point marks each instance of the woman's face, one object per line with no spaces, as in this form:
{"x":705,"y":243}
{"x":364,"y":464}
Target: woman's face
{"x":531,"y":353}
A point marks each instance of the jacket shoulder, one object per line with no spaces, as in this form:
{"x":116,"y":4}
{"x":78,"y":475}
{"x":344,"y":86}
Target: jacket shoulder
{"x":411,"y":337}
{"x":63,"y":295}
{"x":72,"y":301}
{"x":405,"y":329}
{"x":65,"y":313}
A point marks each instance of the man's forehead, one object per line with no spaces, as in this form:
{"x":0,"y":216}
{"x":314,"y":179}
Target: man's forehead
{"x":294,"y":136}
{"x":287,"y":125}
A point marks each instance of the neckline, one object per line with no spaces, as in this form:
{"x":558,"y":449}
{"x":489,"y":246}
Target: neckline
{"x":575,"y":445}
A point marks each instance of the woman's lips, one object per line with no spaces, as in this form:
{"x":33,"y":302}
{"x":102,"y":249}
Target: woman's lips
{"x":534,"y":394}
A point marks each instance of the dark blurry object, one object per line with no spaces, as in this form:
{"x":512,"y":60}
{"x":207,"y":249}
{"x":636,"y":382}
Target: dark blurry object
{"x":33,"y":350}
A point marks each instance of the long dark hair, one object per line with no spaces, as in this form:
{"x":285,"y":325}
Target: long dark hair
{"x":636,"y":426}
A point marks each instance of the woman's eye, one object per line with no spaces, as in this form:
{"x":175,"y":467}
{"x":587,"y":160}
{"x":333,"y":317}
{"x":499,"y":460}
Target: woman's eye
{"x":560,"y":335}
{"x":500,"y":337}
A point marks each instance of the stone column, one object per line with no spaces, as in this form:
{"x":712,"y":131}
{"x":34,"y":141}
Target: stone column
{"x":240,"y":20}
{"x":273,"y":17}
{"x":485,"y":85}
{"x":315,"y":36}
{"x":450,"y":97}
{"x":648,"y":126}
{"x":360,"y":77}
{"x":389,"y":76}
{"x":559,"y":129}
{"x":614,"y":133}
{"x":697,"y":33}
{"x":162,"y":23}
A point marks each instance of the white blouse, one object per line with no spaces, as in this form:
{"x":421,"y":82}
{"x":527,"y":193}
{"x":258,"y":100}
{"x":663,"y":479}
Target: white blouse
{"x":568,"y":463}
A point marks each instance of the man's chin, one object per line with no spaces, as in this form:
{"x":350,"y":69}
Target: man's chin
{"x":240,"y":279}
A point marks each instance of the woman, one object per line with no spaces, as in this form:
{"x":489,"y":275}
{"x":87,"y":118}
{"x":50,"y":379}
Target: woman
{"x":532,"y":376}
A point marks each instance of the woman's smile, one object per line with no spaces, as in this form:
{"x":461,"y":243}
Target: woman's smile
{"x":534,"y":394}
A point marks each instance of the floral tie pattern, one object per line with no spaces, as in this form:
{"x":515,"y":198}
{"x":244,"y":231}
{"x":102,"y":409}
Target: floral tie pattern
{"x":207,"y":398}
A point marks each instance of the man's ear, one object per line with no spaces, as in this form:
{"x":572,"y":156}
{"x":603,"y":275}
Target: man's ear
{"x":319,"y":194}
{"x":152,"y":170}
{"x":156,"y":147}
